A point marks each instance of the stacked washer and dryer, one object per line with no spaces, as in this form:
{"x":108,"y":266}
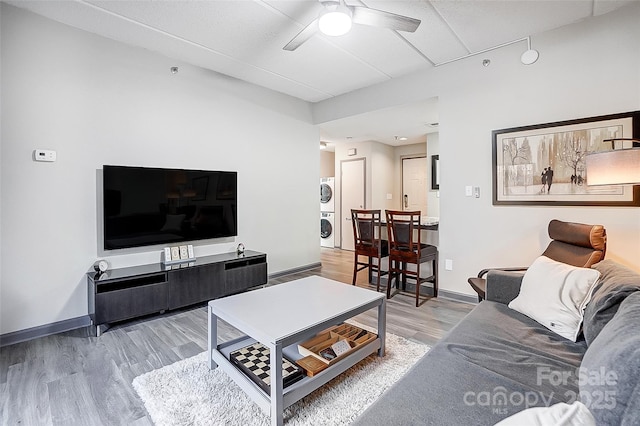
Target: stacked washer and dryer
{"x":327,"y":212}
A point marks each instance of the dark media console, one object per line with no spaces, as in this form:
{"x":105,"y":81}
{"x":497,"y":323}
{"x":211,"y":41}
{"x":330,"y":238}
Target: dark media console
{"x":126,"y":293}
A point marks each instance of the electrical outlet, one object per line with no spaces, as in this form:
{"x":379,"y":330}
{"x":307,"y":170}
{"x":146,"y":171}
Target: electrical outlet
{"x":389,"y":196}
{"x":448,"y":264}
{"x":476,"y":191}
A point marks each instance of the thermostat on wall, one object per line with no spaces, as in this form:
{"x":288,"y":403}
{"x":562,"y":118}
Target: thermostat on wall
{"x":44,"y":155}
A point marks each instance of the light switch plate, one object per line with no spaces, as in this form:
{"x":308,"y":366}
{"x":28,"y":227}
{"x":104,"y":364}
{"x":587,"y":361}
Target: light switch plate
{"x":468,"y":191}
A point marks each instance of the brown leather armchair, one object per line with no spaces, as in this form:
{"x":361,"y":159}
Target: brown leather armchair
{"x":575,"y":244}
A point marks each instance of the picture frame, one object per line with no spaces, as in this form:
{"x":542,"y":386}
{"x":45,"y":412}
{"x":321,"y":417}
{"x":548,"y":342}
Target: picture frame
{"x":435,"y":172}
{"x":175,"y":253}
{"x":524,"y":157}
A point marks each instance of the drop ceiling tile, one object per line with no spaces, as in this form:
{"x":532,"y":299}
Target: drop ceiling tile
{"x":381,"y":49}
{"x":484,"y":24}
{"x":96,"y":21}
{"x":318,"y":63}
{"x":244,"y":39}
{"x":234,"y":28}
{"x":301,"y":11}
{"x":433,"y":38}
{"x":253,"y":35}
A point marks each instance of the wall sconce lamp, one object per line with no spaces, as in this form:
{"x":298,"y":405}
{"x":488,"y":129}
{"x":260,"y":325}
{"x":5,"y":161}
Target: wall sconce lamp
{"x":616,"y":167}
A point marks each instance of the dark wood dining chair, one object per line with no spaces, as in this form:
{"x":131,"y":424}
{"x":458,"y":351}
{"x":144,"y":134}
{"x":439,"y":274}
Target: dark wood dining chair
{"x":406,"y":248}
{"x":366,"y":236}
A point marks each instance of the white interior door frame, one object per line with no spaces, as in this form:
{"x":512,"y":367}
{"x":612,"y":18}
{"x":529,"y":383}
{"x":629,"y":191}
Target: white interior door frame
{"x":352,"y":195}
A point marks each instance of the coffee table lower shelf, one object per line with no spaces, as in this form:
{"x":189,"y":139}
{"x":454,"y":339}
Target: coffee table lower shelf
{"x":295,"y":391}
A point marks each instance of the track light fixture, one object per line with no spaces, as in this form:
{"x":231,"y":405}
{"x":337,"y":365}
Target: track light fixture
{"x":528,"y":57}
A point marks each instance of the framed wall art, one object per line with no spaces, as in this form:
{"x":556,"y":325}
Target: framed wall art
{"x":544,"y":164}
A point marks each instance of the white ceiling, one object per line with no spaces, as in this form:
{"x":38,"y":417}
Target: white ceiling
{"x":244,"y":39}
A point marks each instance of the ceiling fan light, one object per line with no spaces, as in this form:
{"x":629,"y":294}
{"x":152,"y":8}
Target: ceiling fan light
{"x":335,"y":21}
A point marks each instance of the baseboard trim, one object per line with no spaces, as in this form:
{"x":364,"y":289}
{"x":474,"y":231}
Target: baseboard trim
{"x":444,"y":294}
{"x":295,"y":270}
{"x":44,"y":330}
{"x":458,"y":297}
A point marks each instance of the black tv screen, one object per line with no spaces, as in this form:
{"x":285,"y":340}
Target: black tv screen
{"x":147,"y":206}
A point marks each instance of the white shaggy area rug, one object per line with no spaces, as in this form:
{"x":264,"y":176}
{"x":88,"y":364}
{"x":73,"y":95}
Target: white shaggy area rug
{"x":188,"y":393}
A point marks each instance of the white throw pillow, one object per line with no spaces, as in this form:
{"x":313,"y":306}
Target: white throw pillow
{"x":555,"y":294}
{"x":561,"y":414}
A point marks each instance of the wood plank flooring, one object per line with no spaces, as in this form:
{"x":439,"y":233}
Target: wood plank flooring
{"x":75,"y":379}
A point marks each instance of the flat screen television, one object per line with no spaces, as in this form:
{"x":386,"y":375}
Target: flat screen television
{"x":148,"y":206}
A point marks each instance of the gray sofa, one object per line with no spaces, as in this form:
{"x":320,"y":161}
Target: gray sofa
{"x":497,"y":362}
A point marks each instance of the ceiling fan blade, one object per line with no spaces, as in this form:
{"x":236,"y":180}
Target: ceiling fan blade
{"x":379,"y":18}
{"x":302,"y":36}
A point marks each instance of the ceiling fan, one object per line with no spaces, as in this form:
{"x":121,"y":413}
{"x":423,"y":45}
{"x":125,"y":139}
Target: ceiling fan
{"x":336,"y":18}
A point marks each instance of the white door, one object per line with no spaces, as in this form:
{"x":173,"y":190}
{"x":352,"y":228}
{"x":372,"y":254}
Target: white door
{"x":414,"y":184}
{"x":352,"y":181}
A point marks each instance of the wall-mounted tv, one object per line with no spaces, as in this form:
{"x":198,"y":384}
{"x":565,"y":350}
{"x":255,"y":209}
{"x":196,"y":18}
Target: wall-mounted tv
{"x":148,"y":206}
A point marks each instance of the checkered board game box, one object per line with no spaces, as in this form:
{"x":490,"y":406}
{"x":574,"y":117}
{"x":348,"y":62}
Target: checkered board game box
{"x":254,"y":359}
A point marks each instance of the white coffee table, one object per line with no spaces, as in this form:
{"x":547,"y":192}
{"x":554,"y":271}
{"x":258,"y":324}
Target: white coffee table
{"x":280,"y":317}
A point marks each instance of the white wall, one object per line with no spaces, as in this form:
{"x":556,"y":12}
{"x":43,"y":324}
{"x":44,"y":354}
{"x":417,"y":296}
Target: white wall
{"x":587,"y":69}
{"x":327,"y":164}
{"x":382,"y":174}
{"x":95,"y":102}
